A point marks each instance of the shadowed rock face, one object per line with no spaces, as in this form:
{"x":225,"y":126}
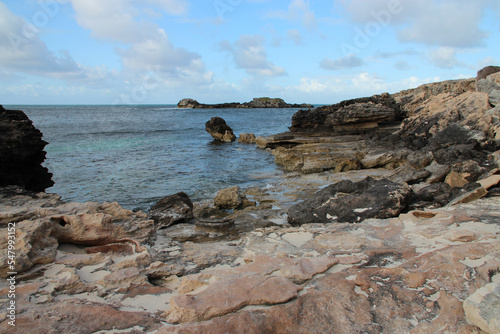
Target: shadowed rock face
{"x":219,"y":130}
{"x":21,"y":152}
{"x":173,"y":209}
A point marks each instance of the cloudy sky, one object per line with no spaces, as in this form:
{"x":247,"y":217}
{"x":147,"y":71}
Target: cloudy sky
{"x":160,"y":51}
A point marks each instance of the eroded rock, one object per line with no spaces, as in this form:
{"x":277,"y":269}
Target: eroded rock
{"x":219,"y":130}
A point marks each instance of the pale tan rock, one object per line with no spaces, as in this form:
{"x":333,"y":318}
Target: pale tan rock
{"x":229,"y":198}
{"x":225,"y":297}
{"x":248,"y":138}
{"x":490,"y":181}
{"x":483,"y":308}
{"x":455,"y":180}
{"x":470,"y":196}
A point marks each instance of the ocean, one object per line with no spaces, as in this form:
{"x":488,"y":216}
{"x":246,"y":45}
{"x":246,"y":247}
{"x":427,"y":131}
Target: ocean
{"x":135,"y":155}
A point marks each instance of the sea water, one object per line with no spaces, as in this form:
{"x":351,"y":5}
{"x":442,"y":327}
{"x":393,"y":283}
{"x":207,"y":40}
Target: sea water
{"x":135,"y":155}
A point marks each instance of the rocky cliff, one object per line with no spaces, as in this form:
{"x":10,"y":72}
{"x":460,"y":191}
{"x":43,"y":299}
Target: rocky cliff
{"x":258,"y":102}
{"x":21,"y":152}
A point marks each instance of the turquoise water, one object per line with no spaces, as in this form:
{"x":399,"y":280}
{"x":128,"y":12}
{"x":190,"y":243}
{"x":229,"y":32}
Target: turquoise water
{"x":135,"y":155}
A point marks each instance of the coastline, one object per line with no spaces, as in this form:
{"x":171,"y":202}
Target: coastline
{"x":415,"y":270}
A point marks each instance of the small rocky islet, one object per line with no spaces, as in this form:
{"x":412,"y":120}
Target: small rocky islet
{"x":388,"y":221}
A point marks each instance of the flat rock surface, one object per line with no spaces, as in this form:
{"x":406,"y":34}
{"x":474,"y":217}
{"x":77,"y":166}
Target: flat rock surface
{"x":410,"y":273}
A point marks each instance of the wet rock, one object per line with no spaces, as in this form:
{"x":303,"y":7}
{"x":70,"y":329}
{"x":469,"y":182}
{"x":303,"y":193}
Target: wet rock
{"x":21,"y":152}
{"x":173,"y":209}
{"x":248,"y":138}
{"x":349,"y":202}
{"x":229,"y":198}
{"x":215,"y":224}
{"x":219,"y":130}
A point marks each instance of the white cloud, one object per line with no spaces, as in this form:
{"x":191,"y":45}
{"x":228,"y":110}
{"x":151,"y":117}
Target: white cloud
{"x":112,"y":20}
{"x":352,"y":86}
{"x":249,"y":54}
{"x":298,"y":11}
{"x":148,"y":47}
{"x":349,"y":61}
{"x":22,"y":50}
{"x":442,"y":23}
{"x":444,"y":57}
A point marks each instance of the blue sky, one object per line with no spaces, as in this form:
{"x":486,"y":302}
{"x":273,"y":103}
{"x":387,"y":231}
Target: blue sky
{"x":160,"y":51}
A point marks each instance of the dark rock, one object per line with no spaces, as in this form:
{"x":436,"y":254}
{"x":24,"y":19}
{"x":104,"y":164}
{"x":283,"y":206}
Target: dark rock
{"x":173,"y":209}
{"x":438,"y":172}
{"x":352,"y":202}
{"x":21,"y":152}
{"x":419,"y":160}
{"x":484,"y":72}
{"x":219,"y":130}
{"x":258,"y":102}
{"x":437,"y":194}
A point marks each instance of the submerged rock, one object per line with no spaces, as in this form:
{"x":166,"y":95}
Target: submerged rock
{"x":219,"y":130}
{"x":352,"y":202}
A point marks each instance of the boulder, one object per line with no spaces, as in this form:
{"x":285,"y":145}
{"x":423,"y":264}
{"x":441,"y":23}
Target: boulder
{"x":487,"y":71}
{"x":21,"y":152}
{"x":229,"y":198}
{"x":173,"y":209}
{"x":219,"y":130}
{"x":352,"y":202}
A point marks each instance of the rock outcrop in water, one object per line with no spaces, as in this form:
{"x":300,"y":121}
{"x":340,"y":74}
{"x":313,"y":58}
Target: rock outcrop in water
{"x":21,"y":152}
{"x":219,"y":130}
{"x":258,"y":102}
{"x":423,"y":257}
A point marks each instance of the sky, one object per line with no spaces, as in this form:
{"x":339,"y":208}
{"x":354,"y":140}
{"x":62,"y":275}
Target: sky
{"x":304,"y":51}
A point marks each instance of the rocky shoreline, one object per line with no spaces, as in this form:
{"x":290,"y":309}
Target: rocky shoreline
{"x":387,"y":222}
{"x":258,"y":102}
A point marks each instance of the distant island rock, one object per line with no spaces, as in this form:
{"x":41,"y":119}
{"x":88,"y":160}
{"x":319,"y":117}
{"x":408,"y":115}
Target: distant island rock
{"x":258,"y":102}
